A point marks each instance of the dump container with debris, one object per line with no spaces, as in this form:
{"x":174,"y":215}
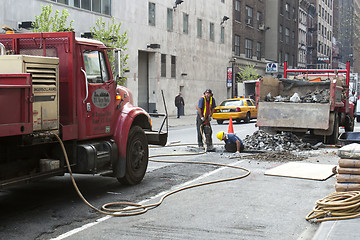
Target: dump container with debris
{"x":315,"y":104}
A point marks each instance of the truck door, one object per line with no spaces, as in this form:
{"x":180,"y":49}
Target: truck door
{"x":97,"y":106}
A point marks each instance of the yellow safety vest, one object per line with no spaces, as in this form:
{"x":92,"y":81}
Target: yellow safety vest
{"x":205,"y":107}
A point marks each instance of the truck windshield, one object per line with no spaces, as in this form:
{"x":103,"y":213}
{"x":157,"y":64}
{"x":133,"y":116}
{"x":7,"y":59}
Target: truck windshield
{"x":95,"y":66}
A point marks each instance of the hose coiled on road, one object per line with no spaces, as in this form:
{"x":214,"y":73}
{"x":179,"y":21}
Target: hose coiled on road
{"x":336,"y":206}
{"x":136,"y":209}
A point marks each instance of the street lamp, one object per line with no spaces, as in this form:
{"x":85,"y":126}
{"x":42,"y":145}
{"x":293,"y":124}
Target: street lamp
{"x":233,"y":60}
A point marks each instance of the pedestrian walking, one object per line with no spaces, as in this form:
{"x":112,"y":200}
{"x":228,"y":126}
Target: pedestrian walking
{"x":179,"y":103}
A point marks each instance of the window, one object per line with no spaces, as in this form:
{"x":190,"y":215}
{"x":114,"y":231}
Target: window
{"x":259,"y":18}
{"x":96,"y":6}
{"x":170,"y":19}
{"x":293,"y":38}
{"x":237,"y":10}
{"x":294,"y":13}
{"x":163,"y":65}
{"x":222,"y":35}
{"x":74,"y":3}
{"x":249,"y":15}
{"x":287,"y":10}
{"x":248,"y":48}
{"x":186,"y":23}
{"x":223,"y":1}
{"x":95,"y":66}
{"x":258,"y":51}
{"x":151,"y":14}
{"x":100,"y":6}
{"x":199,"y":28}
{"x":287,"y":36}
{"x":282,"y":7}
{"x":173,"y":66}
{"x":286,"y":57}
{"x":280,"y":32}
{"x":211,"y":32}
{"x":237,"y":45}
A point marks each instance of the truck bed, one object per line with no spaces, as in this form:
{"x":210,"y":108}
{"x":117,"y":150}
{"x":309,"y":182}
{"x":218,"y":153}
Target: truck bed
{"x":293,"y":115}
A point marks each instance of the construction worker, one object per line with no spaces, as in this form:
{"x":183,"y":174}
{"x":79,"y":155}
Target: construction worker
{"x":232,"y":142}
{"x":205,"y":110}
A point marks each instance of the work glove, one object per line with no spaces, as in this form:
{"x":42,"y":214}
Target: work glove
{"x":203,"y":119}
{"x":237,"y":153}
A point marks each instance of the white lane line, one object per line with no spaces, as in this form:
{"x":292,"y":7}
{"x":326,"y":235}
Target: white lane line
{"x":88,"y":225}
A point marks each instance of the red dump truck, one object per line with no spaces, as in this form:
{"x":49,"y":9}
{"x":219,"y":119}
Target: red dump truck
{"x":56,"y":84}
{"x":314,"y":101}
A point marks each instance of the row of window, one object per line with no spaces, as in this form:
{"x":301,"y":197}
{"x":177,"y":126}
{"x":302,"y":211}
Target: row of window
{"x":185,"y":30}
{"x":324,"y":32}
{"x":248,"y":48}
{"x":249,"y":14}
{"x":325,"y":15}
{"x":328,"y":3}
{"x":285,"y":58}
{"x":324,"y":49}
{"x":99,"y":6}
{"x":287,"y":6}
{"x":287,"y":35}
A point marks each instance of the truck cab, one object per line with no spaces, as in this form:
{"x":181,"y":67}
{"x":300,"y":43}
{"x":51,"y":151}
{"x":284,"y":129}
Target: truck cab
{"x":63,"y":85}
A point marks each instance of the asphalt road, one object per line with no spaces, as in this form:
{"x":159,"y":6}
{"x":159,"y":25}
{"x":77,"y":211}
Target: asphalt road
{"x":256,"y":207}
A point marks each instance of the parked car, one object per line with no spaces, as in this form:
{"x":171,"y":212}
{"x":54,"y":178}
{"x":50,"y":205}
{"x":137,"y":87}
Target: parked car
{"x":236,"y":108}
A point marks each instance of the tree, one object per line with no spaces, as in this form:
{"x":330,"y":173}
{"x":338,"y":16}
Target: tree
{"x":110,"y":34}
{"x":247,"y":73}
{"x":56,"y":23}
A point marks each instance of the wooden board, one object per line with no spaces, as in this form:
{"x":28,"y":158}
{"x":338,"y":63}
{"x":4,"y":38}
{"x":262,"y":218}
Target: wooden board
{"x":303,"y":170}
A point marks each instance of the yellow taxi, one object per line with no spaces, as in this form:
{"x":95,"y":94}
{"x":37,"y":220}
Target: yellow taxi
{"x":237,"y":108}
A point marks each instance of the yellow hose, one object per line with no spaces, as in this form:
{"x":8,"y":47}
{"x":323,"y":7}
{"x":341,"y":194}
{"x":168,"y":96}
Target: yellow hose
{"x":336,"y":206}
{"x":137,"y":209}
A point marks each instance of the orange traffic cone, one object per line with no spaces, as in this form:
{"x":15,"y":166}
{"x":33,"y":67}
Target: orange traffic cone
{"x":231,"y":129}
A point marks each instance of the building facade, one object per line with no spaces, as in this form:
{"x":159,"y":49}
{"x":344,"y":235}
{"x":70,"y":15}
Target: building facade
{"x":172,"y":47}
{"x":281,"y":40}
{"x":248,"y":36}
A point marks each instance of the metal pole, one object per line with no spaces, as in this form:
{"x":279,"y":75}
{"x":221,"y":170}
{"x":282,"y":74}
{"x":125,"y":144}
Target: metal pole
{"x":232,"y":80}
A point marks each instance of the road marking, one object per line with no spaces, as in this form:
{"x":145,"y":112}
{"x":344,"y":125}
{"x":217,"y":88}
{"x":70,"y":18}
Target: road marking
{"x":88,"y":225}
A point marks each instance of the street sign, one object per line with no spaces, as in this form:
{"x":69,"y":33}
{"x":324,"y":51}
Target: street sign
{"x":272,"y":68}
{"x":323,"y":60}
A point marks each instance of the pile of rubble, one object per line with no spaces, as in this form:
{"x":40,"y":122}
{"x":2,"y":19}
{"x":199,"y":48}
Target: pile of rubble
{"x":276,"y":156}
{"x":318,"y":96}
{"x":284,"y":141}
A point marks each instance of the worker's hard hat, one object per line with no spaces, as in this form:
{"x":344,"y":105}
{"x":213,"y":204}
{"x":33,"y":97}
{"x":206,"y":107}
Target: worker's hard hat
{"x":220,"y":135}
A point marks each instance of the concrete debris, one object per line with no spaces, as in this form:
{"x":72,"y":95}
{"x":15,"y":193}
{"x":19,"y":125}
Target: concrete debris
{"x":318,"y":96}
{"x":284,"y":141}
{"x":276,"y":156}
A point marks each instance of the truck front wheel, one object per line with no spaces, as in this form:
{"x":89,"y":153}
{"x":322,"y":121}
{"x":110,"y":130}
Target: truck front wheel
{"x":137,"y":157}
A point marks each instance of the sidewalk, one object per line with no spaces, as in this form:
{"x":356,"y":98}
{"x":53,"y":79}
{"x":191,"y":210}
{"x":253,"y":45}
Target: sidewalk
{"x":174,"y":121}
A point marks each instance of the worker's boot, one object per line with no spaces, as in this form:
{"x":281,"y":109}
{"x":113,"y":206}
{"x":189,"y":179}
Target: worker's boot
{"x":208,"y":139}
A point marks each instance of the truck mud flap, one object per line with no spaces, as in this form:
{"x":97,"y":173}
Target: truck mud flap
{"x":293,"y":115}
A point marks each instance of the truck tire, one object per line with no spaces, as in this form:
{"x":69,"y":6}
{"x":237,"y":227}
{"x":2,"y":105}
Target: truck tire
{"x":220,"y":121}
{"x":349,"y":123}
{"x":137,"y":157}
{"x":333,"y":138}
{"x":358,"y":118}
